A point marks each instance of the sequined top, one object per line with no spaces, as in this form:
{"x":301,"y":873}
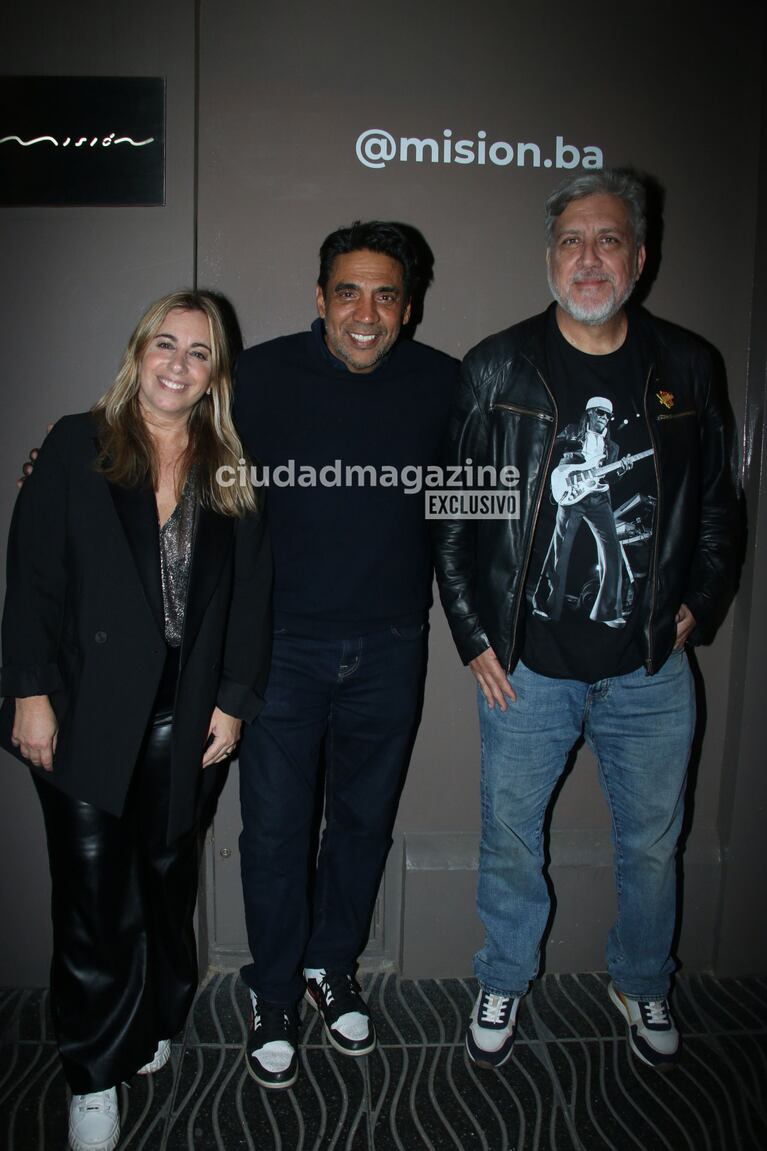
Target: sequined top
{"x":176,"y":537}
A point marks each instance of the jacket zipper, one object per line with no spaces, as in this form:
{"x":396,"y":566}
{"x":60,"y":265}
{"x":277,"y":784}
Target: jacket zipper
{"x":526,"y":411}
{"x":657,"y":519}
{"x":674,"y":415}
{"x":553,"y":420}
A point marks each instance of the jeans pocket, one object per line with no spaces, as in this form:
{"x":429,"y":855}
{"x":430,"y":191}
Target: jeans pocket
{"x":409,"y":631}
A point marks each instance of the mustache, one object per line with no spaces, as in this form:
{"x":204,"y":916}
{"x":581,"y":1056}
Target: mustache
{"x":600,"y":277}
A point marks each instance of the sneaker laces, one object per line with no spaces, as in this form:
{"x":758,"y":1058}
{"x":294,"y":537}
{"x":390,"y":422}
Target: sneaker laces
{"x":95,"y":1101}
{"x":339,"y":990}
{"x":655,"y":1012}
{"x":494,"y":1010}
{"x":265,"y":1014}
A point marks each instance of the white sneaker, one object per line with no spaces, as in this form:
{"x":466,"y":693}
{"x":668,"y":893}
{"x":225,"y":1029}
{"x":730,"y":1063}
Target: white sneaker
{"x":159,"y":1059}
{"x":94,"y":1121}
{"x":492,"y":1028}
{"x":653,"y":1036}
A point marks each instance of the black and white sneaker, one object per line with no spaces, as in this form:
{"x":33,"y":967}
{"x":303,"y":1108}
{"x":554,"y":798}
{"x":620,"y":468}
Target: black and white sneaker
{"x":653,"y":1036}
{"x":344,"y":1012}
{"x":492,"y":1028}
{"x":272,"y":1049}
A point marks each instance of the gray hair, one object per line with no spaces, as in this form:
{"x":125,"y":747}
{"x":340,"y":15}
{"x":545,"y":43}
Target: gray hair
{"x":620,"y":182}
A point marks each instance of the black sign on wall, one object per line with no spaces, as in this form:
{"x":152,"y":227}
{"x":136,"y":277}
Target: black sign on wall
{"x":82,"y":140}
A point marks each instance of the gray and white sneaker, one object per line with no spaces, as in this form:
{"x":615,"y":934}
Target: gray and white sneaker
{"x":492,"y":1028}
{"x":652,"y":1033}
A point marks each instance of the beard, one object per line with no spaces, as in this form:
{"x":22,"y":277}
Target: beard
{"x":593,"y":313}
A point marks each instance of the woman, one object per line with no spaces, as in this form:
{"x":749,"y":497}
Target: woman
{"x":135,"y":642}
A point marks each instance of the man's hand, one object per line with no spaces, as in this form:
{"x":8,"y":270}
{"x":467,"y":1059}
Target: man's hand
{"x":35,"y":730}
{"x":625,"y":466}
{"x":685,"y":625}
{"x":492,"y":679}
{"x":225,"y":730}
{"x":29,"y":466}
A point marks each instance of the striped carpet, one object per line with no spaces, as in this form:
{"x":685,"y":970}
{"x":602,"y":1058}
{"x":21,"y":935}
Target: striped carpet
{"x":572,"y":1084}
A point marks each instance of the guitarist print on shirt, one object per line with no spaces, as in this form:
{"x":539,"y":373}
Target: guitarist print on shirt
{"x":580,"y":488}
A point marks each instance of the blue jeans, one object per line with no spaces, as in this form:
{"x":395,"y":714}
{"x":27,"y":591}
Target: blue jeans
{"x":640,"y":729}
{"x":352,"y":705}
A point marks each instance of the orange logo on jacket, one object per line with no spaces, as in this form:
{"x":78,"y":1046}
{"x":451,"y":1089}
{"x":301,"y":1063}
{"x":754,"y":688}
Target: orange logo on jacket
{"x":666,"y":398}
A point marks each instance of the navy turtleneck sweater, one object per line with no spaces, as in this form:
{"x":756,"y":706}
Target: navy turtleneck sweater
{"x":348,"y":559}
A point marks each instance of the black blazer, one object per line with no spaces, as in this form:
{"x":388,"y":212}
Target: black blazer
{"x":83,"y":624}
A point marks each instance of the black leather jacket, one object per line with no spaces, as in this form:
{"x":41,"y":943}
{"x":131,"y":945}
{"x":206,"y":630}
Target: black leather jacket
{"x":506,"y":414}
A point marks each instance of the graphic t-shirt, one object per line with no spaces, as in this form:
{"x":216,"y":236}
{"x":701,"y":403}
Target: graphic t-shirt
{"x":593,"y":542}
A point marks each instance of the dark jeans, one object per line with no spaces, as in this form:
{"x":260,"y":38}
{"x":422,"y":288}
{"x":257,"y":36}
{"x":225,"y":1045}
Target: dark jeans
{"x":355,"y":705}
{"x":124,"y":969}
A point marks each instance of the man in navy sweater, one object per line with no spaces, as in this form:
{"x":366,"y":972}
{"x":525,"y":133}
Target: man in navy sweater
{"x":344,"y":418}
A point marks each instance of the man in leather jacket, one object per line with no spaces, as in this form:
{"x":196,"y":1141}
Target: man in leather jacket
{"x":545,"y":678}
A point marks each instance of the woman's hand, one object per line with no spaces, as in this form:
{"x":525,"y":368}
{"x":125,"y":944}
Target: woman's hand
{"x":29,"y":465}
{"x":35,"y":730}
{"x":225,"y":730}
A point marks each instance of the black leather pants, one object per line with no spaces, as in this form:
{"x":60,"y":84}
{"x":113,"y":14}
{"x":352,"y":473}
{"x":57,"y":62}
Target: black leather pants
{"x":124,"y":970}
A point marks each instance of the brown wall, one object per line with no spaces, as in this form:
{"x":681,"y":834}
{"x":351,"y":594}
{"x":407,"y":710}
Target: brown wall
{"x":741,"y":929}
{"x":674,"y":92}
{"x":284,"y":93}
{"x":73,"y":283}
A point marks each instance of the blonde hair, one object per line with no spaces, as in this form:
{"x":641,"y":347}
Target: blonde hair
{"x":127,"y":455}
